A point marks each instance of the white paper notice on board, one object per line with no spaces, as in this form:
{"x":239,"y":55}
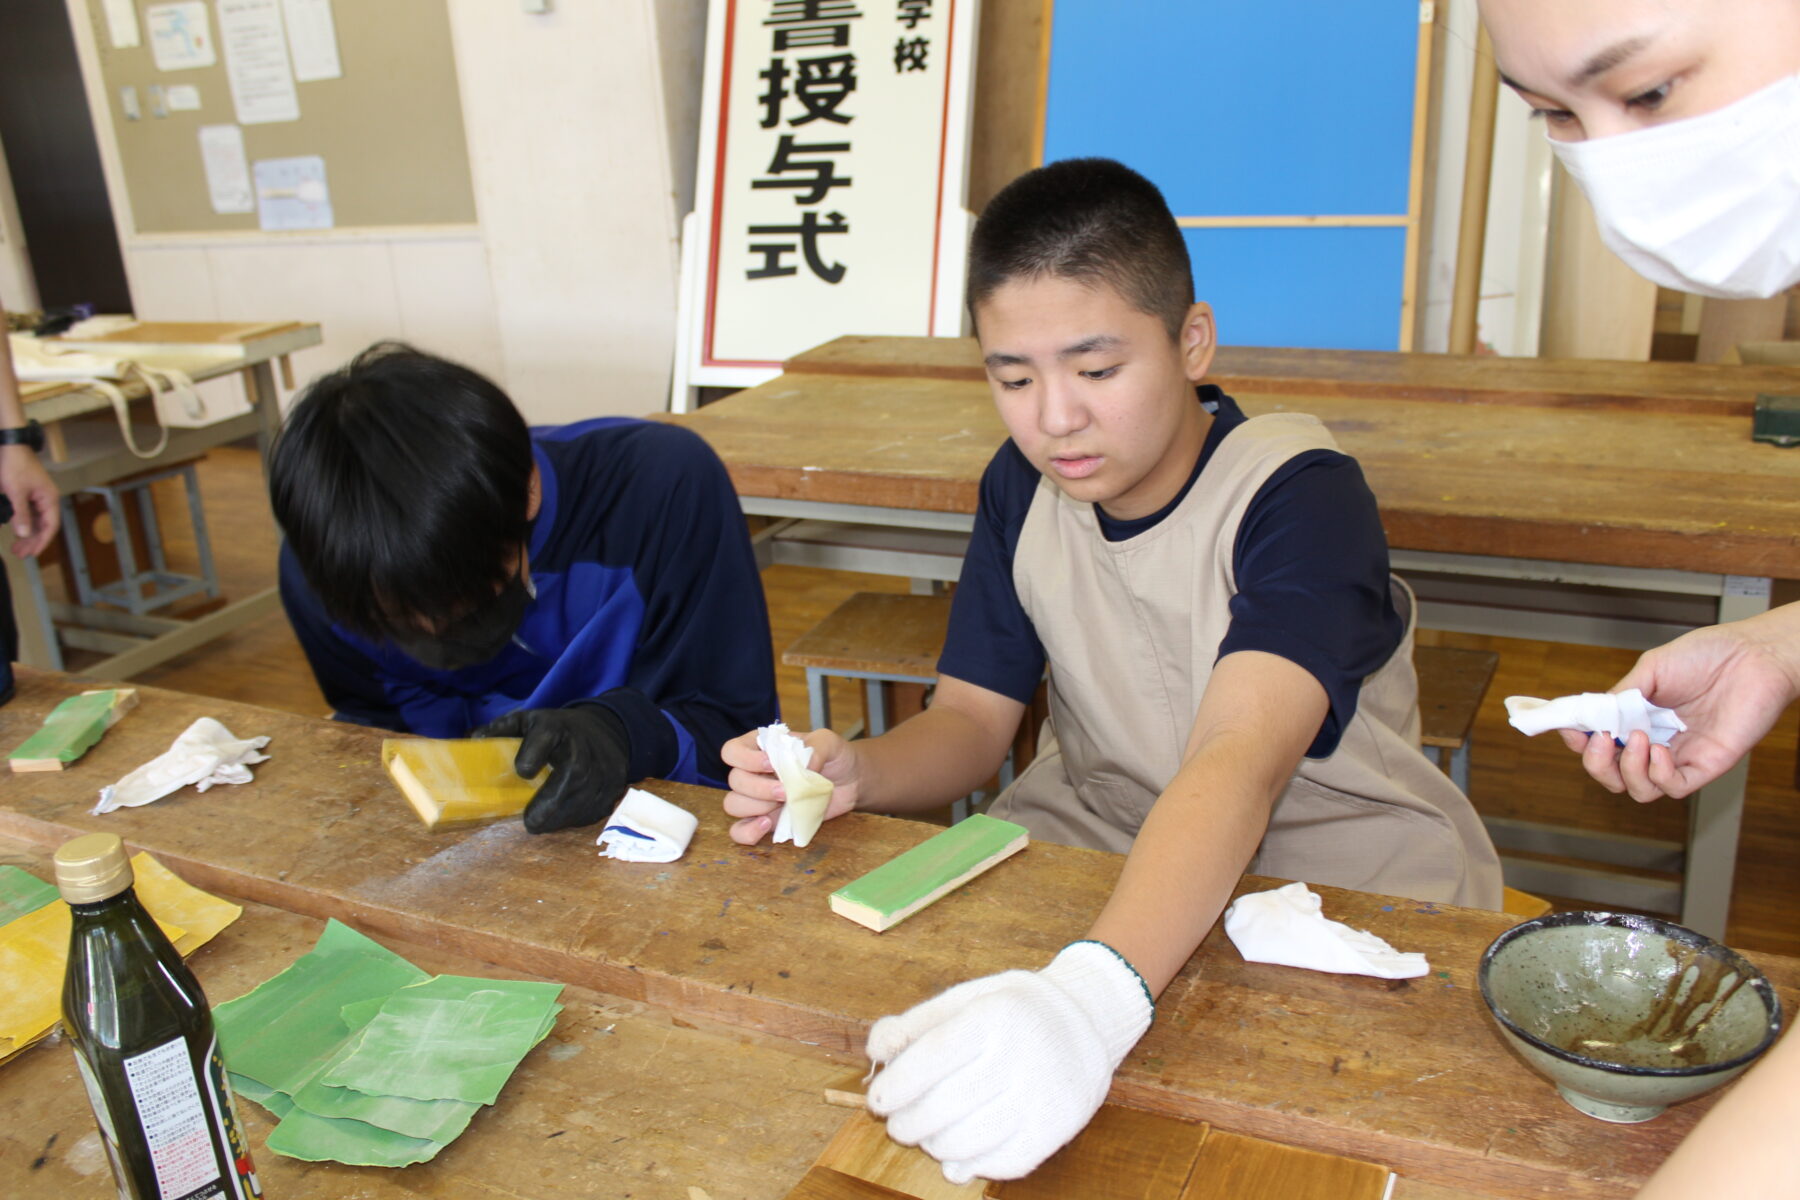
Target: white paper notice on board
{"x":256,"y":61}
{"x":122,"y":24}
{"x":183,"y":97}
{"x":180,"y":36}
{"x":312,"y":37}
{"x":291,"y":193}
{"x":227,"y":170}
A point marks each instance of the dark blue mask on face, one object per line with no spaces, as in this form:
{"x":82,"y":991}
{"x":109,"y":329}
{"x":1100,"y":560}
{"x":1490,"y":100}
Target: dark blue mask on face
{"x":476,"y":636}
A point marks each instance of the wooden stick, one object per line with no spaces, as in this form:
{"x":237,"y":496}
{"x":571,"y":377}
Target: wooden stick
{"x":1484,"y":105}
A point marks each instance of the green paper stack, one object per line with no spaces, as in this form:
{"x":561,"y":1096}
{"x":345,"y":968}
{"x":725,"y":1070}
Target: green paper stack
{"x":22,"y":893}
{"x":368,"y":1060}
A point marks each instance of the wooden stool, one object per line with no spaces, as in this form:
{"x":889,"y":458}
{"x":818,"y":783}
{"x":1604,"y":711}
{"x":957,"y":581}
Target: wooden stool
{"x":884,"y":639}
{"x":877,"y":637}
{"x":1452,"y":684}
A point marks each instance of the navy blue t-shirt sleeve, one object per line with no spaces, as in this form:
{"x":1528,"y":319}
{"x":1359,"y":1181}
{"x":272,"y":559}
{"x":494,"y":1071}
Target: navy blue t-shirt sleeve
{"x":1311,"y":561}
{"x":704,"y":659}
{"x":349,"y":678}
{"x":991,"y":642}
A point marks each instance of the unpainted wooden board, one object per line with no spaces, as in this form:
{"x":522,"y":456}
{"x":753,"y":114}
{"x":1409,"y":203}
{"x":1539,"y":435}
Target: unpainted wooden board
{"x":1123,"y":1154}
{"x":1234,"y":1167}
{"x":862,"y":1150}
{"x":823,"y":1183}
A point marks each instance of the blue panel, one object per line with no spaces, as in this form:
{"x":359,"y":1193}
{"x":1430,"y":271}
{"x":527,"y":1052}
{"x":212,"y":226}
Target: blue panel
{"x":1332,"y":288}
{"x":1241,"y":107}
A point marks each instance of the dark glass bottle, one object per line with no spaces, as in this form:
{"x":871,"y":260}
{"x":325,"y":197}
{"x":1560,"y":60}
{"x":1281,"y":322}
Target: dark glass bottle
{"x":143,"y":1039}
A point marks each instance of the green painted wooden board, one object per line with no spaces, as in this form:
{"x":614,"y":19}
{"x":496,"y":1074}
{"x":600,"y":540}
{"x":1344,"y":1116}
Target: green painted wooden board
{"x":908,"y":882}
{"x":68,"y":732}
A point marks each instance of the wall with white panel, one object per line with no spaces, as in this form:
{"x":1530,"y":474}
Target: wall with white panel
{"x":581,"y":125}
{"x":1513,"y":255}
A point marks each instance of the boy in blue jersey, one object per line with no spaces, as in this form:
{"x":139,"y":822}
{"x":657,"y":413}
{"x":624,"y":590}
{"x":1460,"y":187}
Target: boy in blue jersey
{"x":589,"y":588}
{"x":1230,"y":669}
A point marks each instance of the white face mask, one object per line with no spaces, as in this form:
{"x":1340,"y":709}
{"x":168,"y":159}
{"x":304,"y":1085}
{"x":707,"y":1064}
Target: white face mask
{"x":1709,"y":204}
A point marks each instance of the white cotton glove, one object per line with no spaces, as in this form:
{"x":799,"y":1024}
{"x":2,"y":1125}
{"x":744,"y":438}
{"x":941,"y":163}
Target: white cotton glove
{"x":993,"y":1076}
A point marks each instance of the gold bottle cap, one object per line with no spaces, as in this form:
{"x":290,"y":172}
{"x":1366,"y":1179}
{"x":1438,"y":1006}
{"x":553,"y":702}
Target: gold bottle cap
{"x":93,"y":867}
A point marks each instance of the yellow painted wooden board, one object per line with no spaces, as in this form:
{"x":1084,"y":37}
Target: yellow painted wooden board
{"x":453,"y":783}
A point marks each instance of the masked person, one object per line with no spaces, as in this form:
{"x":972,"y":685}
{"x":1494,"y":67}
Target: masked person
{"x":1680,"y":119}
{"x":589,"y":588}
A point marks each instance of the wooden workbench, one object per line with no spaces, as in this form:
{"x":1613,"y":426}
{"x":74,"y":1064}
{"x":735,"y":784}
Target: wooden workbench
{"x":1645,"y":465}
{"x":1406,"y":1073}
{"x":623,"y":1098}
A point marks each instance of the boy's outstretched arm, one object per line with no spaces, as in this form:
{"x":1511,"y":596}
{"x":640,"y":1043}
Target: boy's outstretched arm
{"x":925,"y":762}
{"x":994,"y":1075}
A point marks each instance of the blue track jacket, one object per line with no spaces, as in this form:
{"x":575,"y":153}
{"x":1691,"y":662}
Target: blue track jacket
{"x":648,"y":602}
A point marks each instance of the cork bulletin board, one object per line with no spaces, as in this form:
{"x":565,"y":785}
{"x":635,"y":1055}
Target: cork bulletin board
{"x":389,"y":129}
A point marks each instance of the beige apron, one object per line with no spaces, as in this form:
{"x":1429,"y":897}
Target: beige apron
{"x":1132,"y":629}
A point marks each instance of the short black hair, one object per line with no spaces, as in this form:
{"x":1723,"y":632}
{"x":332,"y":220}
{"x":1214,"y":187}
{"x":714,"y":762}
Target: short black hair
{"x":402,"y":482}
{"x":1092,"y":220}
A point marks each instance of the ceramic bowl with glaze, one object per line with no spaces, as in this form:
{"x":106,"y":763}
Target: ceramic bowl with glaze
{"x":1627,"y":1014}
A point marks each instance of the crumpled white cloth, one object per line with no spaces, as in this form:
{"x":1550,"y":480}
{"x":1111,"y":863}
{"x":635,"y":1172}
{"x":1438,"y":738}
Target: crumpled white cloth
{"x":1285,"y":926}
{"x":647,"y":828}
{"x":206,"y":753}
{"x":1616,"y":715}
{"x":808,"y":792}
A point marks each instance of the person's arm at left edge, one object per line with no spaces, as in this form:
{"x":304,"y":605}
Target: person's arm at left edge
{"x":703,"y":669}
{"x":36,"y":513}
{"x":1035,"y":1052}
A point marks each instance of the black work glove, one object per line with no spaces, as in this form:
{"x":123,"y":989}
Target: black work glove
{"x":588,"y":755}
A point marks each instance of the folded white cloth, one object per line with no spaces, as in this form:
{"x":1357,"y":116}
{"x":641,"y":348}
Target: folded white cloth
{"x":647,"y":828}
{"x":206,"y":753}
{"x":808,"y":792}
{"x":1616,"y":715}
{"x":1284,"y":926}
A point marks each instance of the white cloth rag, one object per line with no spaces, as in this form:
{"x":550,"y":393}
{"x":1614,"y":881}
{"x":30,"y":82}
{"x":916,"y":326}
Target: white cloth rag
{"x":1284,"y":926}
{"x":206,"y":753}
{"x":647,"y":828}
{"x":808,"y":792}
{"x":1618,"y":716}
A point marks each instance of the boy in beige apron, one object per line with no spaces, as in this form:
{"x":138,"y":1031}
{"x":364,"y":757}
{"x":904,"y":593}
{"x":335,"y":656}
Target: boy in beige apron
{"x":1230,"y":667}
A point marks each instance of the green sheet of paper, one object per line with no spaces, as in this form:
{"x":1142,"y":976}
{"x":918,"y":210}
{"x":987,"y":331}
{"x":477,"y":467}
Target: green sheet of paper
{"x":276,"y":1102}
{"x":428,"y":1120}
{"x":285,"y":1030}
{"x":21,"y":892}
{"x":456,"y":1038}
{"x":318,"y":1139}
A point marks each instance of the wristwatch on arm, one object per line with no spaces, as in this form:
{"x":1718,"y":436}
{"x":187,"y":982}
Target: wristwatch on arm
{"x":29,"y":434}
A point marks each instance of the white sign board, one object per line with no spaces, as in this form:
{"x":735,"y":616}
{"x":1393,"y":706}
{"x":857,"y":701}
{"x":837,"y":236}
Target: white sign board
{"x":831,"y":183}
